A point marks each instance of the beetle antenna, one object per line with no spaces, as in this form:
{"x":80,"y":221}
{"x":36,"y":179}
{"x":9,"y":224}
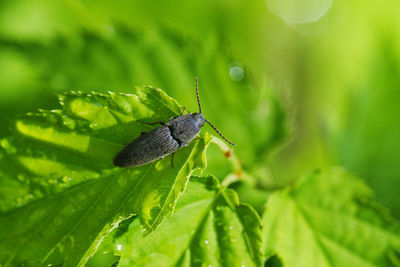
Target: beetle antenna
{"x":197,"y":93}
{"x":220,"y":134}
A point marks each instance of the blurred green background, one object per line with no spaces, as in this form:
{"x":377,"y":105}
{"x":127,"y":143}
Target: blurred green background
{"x":297,"y":85}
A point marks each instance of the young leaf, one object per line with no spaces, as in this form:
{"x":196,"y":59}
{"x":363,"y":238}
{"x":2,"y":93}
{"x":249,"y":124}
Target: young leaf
{"x":79,"y":142}
{"x":327,"y":219}
{"x":209,"y":227}
{"x":52,"y":150}
{"x":243,"y":110}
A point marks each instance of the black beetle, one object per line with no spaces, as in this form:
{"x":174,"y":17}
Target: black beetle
{"x":166,"y":139}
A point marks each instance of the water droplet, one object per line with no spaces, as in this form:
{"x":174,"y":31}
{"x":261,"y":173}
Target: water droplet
{"x":119,"y":247}
{"x":94,"y":126}
{"x":127,"y":107}
{"x":53,"y":181}
{"x":205,"y":241}
{"x":230,"y":227}
{"x":69,"y":123}
{"x":96,"y":103}
{"x":236,"y":71}
{"x":66,"y":179}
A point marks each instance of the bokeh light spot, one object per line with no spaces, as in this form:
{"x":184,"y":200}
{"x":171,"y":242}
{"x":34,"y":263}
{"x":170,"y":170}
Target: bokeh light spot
{"x":299,"y":11}
{"x":236,"y":72}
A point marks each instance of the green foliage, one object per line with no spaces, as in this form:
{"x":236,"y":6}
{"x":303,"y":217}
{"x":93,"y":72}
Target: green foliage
{"x":64,"y":197}
{"x":163,"y":59}
{"x":264,"y":73}
{"x":371,"y":111}
{"x":54,"y":150}
{"x":328,"y":219}
{"x":209,"y":227}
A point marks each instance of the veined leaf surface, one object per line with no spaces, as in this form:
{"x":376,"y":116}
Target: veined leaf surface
{"x":208,"y":228}
{"x":63,"y":158}
{"x":328,"y":219}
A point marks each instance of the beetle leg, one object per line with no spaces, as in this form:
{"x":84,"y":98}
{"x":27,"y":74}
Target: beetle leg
{"x":151,"y":123}
{"x":183,"y":110}
{"x":172,"y":160}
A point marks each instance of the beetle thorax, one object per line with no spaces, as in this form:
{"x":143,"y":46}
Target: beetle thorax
{"x":186,"y":127}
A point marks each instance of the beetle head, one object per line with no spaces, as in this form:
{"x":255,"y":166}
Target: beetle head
{"x":199,"y":119}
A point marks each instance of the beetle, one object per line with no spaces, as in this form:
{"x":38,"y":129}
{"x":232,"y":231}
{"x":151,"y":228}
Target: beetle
{"x":164,"y":140}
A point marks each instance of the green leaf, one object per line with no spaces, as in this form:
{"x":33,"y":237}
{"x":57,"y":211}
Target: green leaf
{"x":243,"y":110}
{"x":208,"y":227}
{"x":52,"y":150}
{"x":64,"y":157}
{"x":328,"y":219}
{"x":372,"y":114}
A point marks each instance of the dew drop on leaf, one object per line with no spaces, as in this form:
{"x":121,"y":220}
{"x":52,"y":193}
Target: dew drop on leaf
{"x":127,"y":107}
{"x":69,"y":123}
{"x":66,"y":179}
{"x":94,"y":126}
